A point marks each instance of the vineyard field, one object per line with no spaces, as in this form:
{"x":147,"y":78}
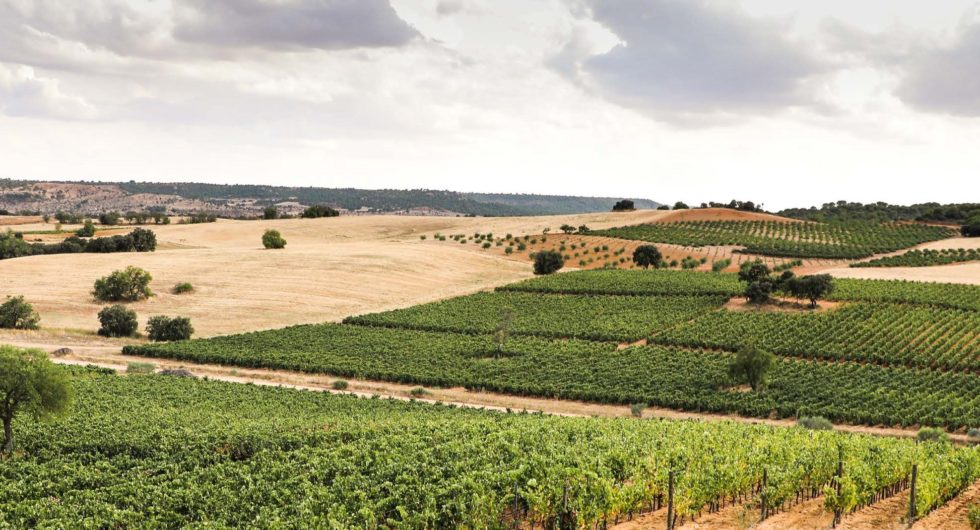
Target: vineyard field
{"x":924,"y":258}
{"x":166,"y":452}
{"x":603,"y":318}
{"x":950,"y":295}
{"x":679,"y":378}
{"x":889,"y":334}
{"x":632,"y":282}
{"x":840,"y":240}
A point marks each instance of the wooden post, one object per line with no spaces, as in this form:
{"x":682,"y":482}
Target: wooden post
{"x":670,"y":501}
{"x":840,"y":475}
{"x":762,"y":492}
{"x":915,"y":472}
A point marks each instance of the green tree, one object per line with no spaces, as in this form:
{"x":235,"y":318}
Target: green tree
{"x":971,"y":228}
{"x":547,"y":262}
{"x":647,"y":256}
{"x":567,"y":228}
{"x":127,"y":285}
{"x":31,"y":386}
{"x":87,"y":230}
{"x":143,"y":240}
{"x":751,"y":366}
{"x":319,"y":210}
{"x":680,"y":206}
{"x":624,"y":205}
{"x":16,"y":313}
{"x":162,"y":328}
{"x":270,"y":212}
{"x":811,"y":288}
{"x":117,"y":321}
{"x":110,"y":218}
{"x":273,"y":239}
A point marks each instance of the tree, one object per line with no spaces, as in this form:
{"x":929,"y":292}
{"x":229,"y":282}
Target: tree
{"x":270,"y":212}
{"x":319,"y":210}
{"x":680,"y":206}
{"x":117,"y":321}
{"x":143,"y":240}
{"x":31,"y":386}
{"x":162,"y":328}
{"x":110,"y":218}
{"x":127,"y":285}
{"x":547,"y":262}
{"x":624,"y":205}
{"x":583,"y":229}
{"x":752,"y":271}
{"x":273,"y":239}
{"x":567,"y":228}
{"x":647,"y":256}
{"x":502,"y":331}
{"x":972,"y":227}
{"x":15,"y":313}
{"x":751,"y":366}
{"x":87,"y":230}
{"x":759,"y":291}
{"x":811,"y":288}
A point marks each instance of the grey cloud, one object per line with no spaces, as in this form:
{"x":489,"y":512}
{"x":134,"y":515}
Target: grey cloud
{"x":292,"y":24}
{"x":24,"y":93}
{"x":689,"y":60}
{"x":945,"y":79}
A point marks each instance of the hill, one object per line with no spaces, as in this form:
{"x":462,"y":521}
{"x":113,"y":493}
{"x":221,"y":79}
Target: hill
{"x":240,"y":200}
{"x":882,"y":211}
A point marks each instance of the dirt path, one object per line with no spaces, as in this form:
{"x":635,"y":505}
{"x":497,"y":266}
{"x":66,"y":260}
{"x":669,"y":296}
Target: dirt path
{"x":808,"y":515}
{"x":953,"y":515}
{"x":887,"y":514}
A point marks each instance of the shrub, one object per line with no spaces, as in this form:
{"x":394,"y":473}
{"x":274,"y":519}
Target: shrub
{"x":127,"y":285}
{"x":636,"y":409}
{"x":143,"y":240}
{"x":720,"y":265}
{"x":487,"y":245}
{"x":16,"y":313}
{"x":110,"y":218}
{"x":974,"y":434}
{"x":162,"y":328}
{"x":422,"y":237}
{"x":183,"y":287}
{"x":117,"y":321}
{"x":508,"y":250}
{"x":932,"y":434}
{"x":815,"y":423}
{"x":547,"y":262}
{"x":419,"y":392}
{"x":339,"y":384}
{"x":87,"y":230}
{"x":273,"y":239}
{"x":140,"y":368}
{"x":270,"y":212}
{"x":319,"y":210}
{"x":974,"y":517}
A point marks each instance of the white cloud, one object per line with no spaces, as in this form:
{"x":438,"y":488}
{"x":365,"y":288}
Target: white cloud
{"x":23,"y":93}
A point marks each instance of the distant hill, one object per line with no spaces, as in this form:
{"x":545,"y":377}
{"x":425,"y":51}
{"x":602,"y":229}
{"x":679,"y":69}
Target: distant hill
{"x":882,"y":211}
{"x":240,"y":200}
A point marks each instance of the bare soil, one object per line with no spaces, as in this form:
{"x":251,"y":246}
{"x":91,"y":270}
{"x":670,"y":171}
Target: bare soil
{"x":952,"y":515}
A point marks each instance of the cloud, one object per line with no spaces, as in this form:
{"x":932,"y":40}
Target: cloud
{"x":292,"y":24}
{"x":691,"y":60}
{"x":23,"y":93}
{"x":945,"y":78}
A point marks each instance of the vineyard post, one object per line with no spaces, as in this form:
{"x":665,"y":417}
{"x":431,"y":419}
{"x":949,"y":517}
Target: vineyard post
{"x":765,"y":506}
{"x":670,"y":500}
{"x":837,"y":486}
{"x":915,"y":472}
{"x":515,"y":512}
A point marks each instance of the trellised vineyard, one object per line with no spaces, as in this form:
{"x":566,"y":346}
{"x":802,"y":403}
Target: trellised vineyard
{"x":632,"y":282}
{"x":839,"y":240}
{"x":159,"y":451}
{"x":613,"y":318}
{"x":924,"y":258}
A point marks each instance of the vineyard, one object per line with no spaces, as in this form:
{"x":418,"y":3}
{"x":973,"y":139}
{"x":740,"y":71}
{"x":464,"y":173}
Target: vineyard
{"x":841,"y":240}
{"x":166,"y":452}
{"x":634,"y":282}
{"x":924,"y":258}
{"x":888,"y":334}
{"x":606,"y":318}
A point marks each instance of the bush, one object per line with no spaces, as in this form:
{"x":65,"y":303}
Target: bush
{"x":140,"y":368}
{"x":636,"y":409}
{"x":143,"y":240}
{"x":128,"y":285}
{"x":419,"y":392}
{"x":547,"y":262}
{"x":87,"y":230}
{"x":273,"y":239}
{"x":162,"y":328}
{"x":720,"y":265}
{"x":974,"y":517}
{"x":183,"y":287}
{"x":270,"y":212}
{"x":319,"y":210}
{"x":974,"y":434}
{"x":815,"y":423}
{"x":932,"y":434}
{"x":339,"y":384}
{"x":117,"y":321}
{"x":16,"y":313}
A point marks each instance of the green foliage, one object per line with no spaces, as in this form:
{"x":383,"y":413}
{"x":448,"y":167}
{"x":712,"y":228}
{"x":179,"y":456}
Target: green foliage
{"x":881,"y":211}
{"x":850,"y":240}
{"x":720,"y":265}
{"x":924,"y":258}
{"x":117,"y":321}
{"x":636,"y":409}
{"x":971,"y":228}
{"x":110,"y":218}
{"x":270,"y":212}
{"x":548,"y":262}
{"x":162,"y":328}
{"x":16,"y":313}
{"x":810,"y":288}
{"x":815,"y":423}
{"x":182,"y":288}
{"x":680,"y":206}
{"x":143,"y":240}
{"x":419,"y":392}
{"x":950,"y":295}
{"x":127,"y":285}
{"x":974,"y":517}
{"x":931,"y":434}
{"x":612,"y":318}
{"x":272,"y":239}
{"x":32,"y":387}
{"x":632,"y":282}
{"x":87,"y":230}
{"x":647,"y":256}
{"x":12,"y":245}
{"x":319,"y":210}
{"x":339,"y":384}
{"x":624,"y":205}
{"x":138,"y":368}
{"x":751,"y":366}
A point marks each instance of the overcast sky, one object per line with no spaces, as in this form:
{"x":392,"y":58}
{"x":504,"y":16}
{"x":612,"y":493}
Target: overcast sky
{"x":787,"y":102}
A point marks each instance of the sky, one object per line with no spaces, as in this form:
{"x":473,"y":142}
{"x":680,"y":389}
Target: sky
{"x":785,"y":102}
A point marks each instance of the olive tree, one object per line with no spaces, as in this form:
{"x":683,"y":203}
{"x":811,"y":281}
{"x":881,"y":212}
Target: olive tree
{"x":812,"y":288}
{"x":117,"y":321}
{"x":163,"y":328}
{"x":647,"y":256}
{"x":547,"y":262}
{"x":31,"y":386}
{"x":127,"y":285}
{"x":15,"y":313}
{"x":751,"y":366}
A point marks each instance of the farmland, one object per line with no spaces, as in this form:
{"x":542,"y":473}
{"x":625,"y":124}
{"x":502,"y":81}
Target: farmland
{"x":848,"y":240}
{"x":166,"y":452}
{"x":923,"y":258}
